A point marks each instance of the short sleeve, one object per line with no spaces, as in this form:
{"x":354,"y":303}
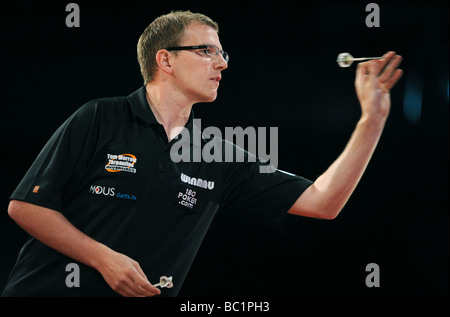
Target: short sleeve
{"x":267,"y":197}
{"x":63,"y":156}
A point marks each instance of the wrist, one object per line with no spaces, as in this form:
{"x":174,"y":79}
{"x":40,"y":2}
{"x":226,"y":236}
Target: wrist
{"x":99,"y":256}
{"x":372,"y":121}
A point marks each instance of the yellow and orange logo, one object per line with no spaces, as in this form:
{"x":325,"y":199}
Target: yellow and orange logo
{"x":121,"y":163}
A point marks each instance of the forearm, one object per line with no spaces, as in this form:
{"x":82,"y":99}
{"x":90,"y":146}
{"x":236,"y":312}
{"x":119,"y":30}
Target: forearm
{"x":329,"y":193}
{"x":54,"y":230}
{"x":336,"y":185}
{"x":123,"y":274}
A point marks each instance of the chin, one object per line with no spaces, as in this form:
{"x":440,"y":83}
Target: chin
{"x":209,"y":98}
{"x":213,"y":98}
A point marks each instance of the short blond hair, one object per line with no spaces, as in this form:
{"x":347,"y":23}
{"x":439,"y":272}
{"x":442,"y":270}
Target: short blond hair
{"x":165,"y":31}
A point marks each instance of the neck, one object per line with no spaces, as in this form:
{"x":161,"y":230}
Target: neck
{"x":170,"y":110}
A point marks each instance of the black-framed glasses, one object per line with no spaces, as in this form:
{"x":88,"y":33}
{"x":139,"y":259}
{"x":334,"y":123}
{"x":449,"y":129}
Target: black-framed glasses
{"x":209,"y":49}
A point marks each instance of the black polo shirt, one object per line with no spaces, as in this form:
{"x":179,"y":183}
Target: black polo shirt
{"x":108,"y":170}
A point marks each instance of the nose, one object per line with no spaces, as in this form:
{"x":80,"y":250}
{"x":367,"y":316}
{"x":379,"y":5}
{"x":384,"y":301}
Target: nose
{"x":220,"y":63}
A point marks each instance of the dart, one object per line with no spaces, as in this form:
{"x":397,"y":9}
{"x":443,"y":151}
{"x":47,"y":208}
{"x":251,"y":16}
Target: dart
{"x":346,"y":59}
{"x":164,"y":281}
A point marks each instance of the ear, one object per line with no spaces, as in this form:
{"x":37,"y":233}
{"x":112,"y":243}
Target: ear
{"x":163,"y":60}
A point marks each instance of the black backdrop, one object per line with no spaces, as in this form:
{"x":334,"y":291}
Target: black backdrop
{"x":282,"y":73}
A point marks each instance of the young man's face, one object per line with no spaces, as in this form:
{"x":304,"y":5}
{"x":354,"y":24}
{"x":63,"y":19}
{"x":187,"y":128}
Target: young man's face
{"x":196,"y":73}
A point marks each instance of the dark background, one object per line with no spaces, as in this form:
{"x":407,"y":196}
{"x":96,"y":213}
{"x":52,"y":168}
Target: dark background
{"x":282,"y":73}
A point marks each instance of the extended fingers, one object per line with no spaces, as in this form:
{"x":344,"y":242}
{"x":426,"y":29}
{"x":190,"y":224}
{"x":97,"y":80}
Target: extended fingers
{"x":393,"y":80}
{"x":129,"y":290}
{"x":388,"y":67}
{"x":144,"y":283}
{"x":135,"y":284}
{"x":137,"y":288}
{"x":384,"y":71}
{"x":144,"y":288}
{"x":381,"y":64}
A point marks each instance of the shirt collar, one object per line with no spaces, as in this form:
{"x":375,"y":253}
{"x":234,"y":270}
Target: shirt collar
{"x":141,"y":109}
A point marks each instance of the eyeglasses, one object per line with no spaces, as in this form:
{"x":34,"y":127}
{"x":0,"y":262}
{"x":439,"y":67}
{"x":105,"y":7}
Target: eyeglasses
{"x":209,"y":49}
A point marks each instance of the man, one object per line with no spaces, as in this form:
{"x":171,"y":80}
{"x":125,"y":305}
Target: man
{"x":104,"y":194}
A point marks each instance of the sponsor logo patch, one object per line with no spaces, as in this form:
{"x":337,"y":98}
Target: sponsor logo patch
{"x":121,"y":163}
{"x":111,"y":192}
{"x":202,"y":183}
